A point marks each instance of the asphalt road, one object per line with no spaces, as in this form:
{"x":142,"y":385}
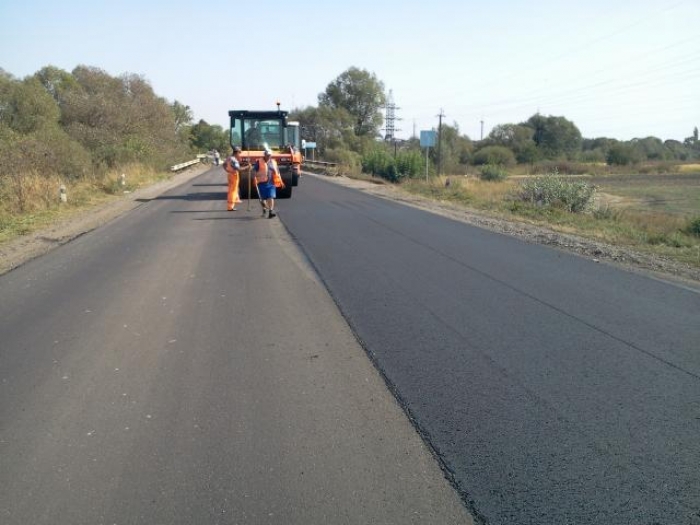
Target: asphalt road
{"x":557,"y":390}
{"x":183,"y":365}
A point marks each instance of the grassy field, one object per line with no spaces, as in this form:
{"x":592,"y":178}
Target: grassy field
{"x":671,"y":194}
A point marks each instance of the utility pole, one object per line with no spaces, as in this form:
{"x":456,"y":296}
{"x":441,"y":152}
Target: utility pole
{"x":482,"y":130}
{"x":439,"y":151}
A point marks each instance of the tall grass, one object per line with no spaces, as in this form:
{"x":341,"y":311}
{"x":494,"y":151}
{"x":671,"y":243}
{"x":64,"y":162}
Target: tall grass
{"x":30,"y":200}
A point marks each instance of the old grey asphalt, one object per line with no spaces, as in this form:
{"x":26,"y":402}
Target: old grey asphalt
{"x":183,"y":364}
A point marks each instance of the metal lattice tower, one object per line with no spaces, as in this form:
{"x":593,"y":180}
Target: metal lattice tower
{"x":390,"y":117}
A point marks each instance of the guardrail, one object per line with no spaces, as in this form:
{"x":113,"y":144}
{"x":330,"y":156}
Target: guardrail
{"x":319,"y":163}
{"x":328,"y":168}
{"x":183,"y":165}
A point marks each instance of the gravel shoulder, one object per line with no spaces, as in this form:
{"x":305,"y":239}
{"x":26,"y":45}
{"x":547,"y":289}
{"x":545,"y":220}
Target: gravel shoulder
{"x":18,"y":251}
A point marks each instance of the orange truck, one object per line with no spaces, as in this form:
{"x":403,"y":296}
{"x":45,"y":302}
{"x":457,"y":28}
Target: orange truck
{"x":256,"y":131}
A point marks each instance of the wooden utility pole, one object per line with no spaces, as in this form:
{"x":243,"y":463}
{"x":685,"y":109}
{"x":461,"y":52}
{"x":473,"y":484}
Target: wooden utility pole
{"x":439,"y":144}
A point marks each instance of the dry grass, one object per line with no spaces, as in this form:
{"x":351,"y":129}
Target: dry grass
{"x":30,"y":200}
{"x":689,"y":168}
{"x":646,"y":228}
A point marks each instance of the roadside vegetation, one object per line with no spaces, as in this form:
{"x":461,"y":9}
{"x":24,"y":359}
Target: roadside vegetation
{"x":643,"y":193}
{"x":83,"y":129}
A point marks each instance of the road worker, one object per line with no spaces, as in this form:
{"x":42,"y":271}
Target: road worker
{"x":233,"y":168}
{"x":267,"y":180}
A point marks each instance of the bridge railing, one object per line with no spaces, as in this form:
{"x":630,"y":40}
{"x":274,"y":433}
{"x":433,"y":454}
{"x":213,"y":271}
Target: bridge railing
{"x":317,"y":166}
{"x":183,"y":165}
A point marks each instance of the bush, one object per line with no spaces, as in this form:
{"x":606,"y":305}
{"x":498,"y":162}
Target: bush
{"x":349,"y":161}
{"x":407,"y":164}
{"x":498,"y":155}
{"x":563,"y":167}
{"x":693,"y":227}
{"x":492,"y":172}
{"x":554,"y":191}
{"x":410,"y":163}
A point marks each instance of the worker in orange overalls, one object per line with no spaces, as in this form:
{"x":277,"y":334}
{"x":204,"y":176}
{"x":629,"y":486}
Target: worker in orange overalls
{"x":233,"y":168}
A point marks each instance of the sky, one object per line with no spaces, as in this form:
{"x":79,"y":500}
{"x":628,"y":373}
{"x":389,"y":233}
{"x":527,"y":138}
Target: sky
{"x":616,"y":68}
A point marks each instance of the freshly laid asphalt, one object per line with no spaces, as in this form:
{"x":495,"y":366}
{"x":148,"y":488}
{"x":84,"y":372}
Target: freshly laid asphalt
{"x":558,"y":390}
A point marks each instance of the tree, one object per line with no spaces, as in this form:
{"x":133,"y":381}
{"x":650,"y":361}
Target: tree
{"x":56,"y":82}
{"x":25,"y":106}
{"x":361,"y":94}
{"x":650,"y":148}
{"x":455,"y":149}
{"x":330,"y":128}
{"x":555,"y":137}
{"x":621,"y":154}
{"x":516,"y":137}
{"x":205,"y":137}
{"x":182,"y":115}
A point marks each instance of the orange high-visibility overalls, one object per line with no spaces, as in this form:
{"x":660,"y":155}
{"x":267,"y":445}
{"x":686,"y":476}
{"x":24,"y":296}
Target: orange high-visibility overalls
{"x":233,"y":180}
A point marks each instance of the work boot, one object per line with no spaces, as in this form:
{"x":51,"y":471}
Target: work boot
{"x":272,"y":214}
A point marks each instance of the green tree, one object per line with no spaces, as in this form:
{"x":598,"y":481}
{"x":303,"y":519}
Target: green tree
{"x":25,"y":106}
{"x":56,"y":82}
{"x":361,"y":94}
{"x":330,"y":128}
{"x":120,"y":119}
{"x":555,"y":137}
{"x":182,"y":115}
{"x":205,"y":137}
{"x":516,"y":137}
{"x":650,"y":148}
{"x":622,"y":154}
{"x":455,"y":149}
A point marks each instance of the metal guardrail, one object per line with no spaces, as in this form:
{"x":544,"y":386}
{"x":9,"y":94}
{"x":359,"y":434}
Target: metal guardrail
{"x":320,"y":164}
{"x":183,"y":165}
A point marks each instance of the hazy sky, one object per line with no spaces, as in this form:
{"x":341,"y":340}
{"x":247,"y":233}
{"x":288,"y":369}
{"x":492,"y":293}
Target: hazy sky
{"x":616,"y":68}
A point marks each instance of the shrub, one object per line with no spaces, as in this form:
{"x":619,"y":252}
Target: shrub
{"x":498,"y":155}
{"x":693,"y":227}
{"x":379,"y":162}
{"x":554,"y":191}
{"x":349,"y":161}
{"x":410,"y":163}
{"x":492,"y":172}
